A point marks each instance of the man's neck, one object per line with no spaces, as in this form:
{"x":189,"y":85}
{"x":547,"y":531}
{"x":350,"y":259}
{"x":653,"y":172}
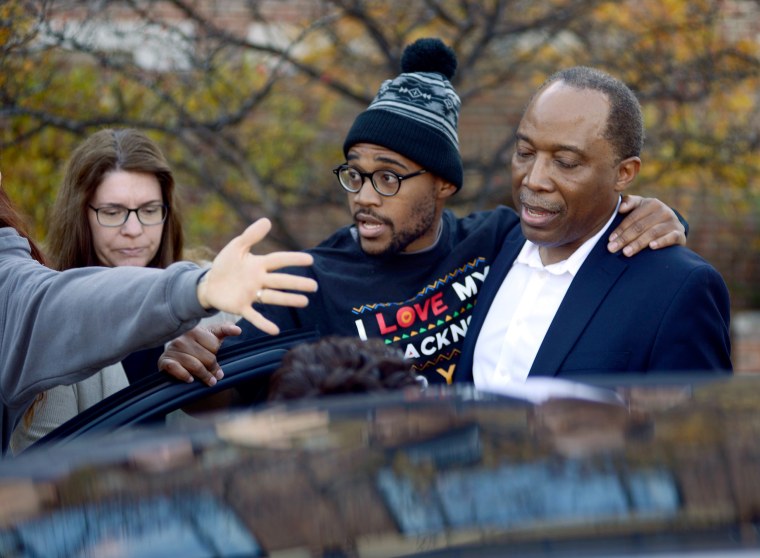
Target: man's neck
{"x":432,"y":244}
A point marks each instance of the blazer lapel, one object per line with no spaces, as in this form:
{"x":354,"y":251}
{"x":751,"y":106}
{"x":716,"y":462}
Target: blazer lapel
{"x":496,"y":274}
{"x":594,"y":279}
{"x":499,"y":269}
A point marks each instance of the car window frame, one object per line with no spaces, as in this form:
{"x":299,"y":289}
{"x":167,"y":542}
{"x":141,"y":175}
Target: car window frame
{"x":155,"y":396}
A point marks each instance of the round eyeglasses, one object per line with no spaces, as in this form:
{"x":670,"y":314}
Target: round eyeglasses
{"x":117,"y":215}
{"x":385,"y":182}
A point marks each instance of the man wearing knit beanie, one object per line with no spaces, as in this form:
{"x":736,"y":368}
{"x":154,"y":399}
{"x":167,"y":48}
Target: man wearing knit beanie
{"x":411,"y":125}
{"x":417,"y":113}
{"x":407,"y":271}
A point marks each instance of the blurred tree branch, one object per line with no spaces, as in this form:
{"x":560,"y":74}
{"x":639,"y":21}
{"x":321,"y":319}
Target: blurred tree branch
{"x":251,"y":99}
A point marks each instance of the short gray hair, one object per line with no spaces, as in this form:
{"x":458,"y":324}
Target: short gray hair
{"x":625,"y":123}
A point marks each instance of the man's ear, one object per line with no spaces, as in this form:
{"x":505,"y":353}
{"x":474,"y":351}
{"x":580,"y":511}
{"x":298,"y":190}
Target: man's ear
{"x":627,"y":170}
{"x":445,"y":189}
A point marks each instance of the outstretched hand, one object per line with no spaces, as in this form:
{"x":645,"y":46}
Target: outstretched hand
{"x":650,"y":223}
{"x":238,"y":278}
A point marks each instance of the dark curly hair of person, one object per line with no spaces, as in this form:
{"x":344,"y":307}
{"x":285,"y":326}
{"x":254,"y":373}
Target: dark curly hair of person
{"x":336,"y":365}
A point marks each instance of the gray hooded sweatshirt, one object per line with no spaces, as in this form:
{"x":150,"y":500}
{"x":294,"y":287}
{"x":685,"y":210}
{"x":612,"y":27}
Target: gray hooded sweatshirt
{"x":60,"y":327}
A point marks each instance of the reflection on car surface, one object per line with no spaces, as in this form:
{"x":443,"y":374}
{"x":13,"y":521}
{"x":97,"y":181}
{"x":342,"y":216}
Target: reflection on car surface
{"x":669,"y":470}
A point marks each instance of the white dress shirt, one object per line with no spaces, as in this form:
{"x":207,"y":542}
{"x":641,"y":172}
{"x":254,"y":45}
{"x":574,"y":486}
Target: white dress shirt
{"x":521,"y":314}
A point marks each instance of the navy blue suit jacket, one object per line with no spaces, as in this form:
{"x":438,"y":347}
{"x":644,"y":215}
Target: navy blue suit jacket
{"x":660,"y":310}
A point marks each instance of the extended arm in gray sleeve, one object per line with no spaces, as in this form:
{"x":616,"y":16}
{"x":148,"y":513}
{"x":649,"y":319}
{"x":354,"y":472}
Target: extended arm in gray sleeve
{"x":57,"y":328}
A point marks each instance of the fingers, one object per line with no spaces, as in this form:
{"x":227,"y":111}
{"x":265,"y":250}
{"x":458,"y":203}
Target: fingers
{"x":651,"y":224}
{"x":629,"y":203}
{"x":628,"y":236}
{"x":173,"y":368}
{"x":252,"y":235}
{"x":259,"y":321}
{"x":226,"y":266}
{"x":671,"y":238}
{"x":237,"y":276}
{"x":277,"y":260}
{"x":280,"y":298}
{"x":659,"y":236}
{"x":186,"y":367}
{"x":285,"y":281}
{"x":272,"y":293}
{"x":193,"y":355}
{"x":223,"y":330}
{"x":277,"y":283}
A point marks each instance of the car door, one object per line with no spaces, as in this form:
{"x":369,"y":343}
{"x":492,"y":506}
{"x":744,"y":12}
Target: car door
{"x":247,"y":369}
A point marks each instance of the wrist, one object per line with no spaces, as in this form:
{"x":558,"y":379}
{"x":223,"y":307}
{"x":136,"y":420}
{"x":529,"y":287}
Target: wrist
{"x":201,"y":291}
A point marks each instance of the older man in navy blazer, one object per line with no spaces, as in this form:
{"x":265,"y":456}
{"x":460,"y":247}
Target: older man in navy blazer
{"x":558,"y":303}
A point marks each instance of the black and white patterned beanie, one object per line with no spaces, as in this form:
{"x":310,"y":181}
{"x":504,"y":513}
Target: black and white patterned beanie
{"x":416,"y":114}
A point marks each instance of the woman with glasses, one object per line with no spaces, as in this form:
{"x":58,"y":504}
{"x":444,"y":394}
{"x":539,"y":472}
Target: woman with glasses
{"x":116,"y":207}
{"x":112,"y":172}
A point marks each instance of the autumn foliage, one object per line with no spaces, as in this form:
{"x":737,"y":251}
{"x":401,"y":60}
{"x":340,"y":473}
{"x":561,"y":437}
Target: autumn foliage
{"x":250,"y":100}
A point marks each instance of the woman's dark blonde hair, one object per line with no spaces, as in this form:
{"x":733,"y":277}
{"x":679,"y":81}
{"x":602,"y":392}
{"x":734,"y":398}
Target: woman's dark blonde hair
{"x":69,"y":242}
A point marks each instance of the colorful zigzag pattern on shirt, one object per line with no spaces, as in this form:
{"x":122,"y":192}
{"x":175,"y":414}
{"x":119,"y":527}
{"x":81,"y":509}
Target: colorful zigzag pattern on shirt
{"x":441,"y":357}
{"x":430,"y":326}
{"x":435,"y":285}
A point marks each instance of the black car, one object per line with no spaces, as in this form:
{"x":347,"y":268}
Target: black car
{"x":630,"y":466}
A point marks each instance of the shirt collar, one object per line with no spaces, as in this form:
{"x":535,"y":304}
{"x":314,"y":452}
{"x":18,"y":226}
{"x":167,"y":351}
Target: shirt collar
{"x":529,"y":254}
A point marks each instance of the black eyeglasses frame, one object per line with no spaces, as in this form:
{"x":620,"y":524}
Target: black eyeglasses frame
{"x":364,"y":175}
{"x":136,"y":211}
